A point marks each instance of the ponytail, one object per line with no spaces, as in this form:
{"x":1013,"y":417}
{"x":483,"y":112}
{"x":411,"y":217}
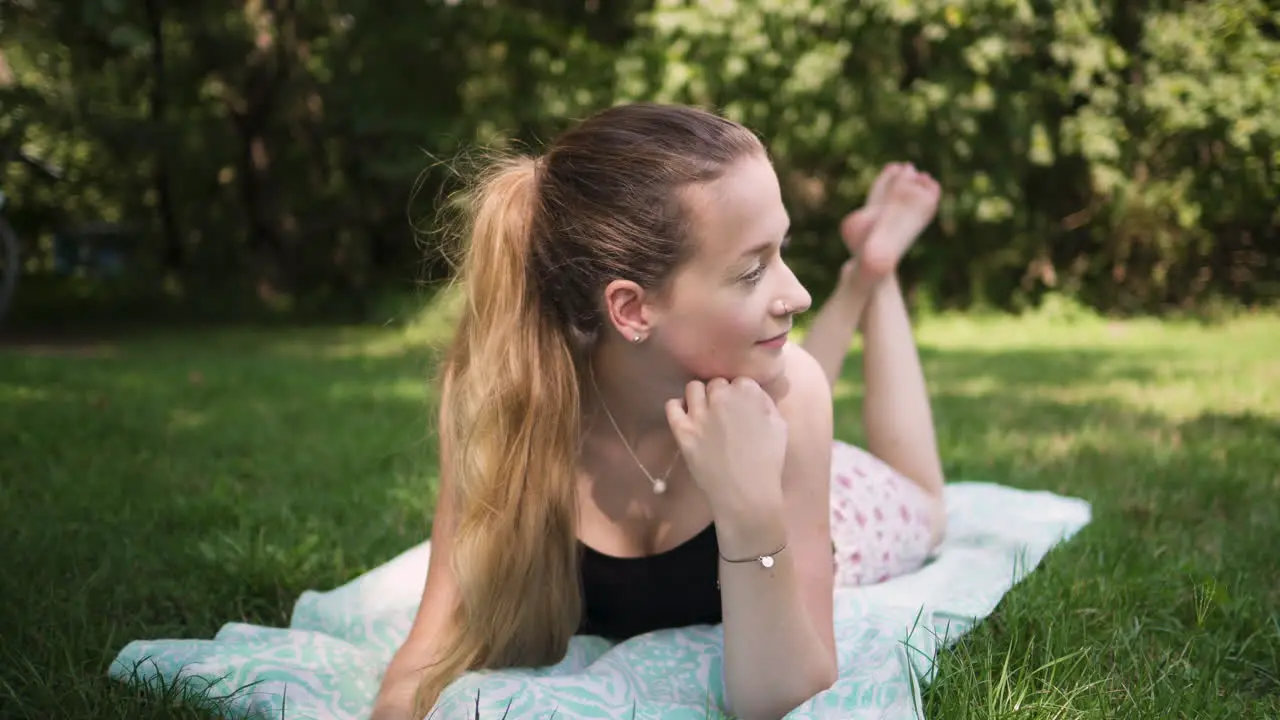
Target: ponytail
{"x":513,"y":405}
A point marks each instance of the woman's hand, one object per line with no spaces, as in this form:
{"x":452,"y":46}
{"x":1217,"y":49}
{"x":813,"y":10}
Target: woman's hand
{"x":734,"y":441}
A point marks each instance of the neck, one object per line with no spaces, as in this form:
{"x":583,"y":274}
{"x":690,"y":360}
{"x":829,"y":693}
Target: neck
{"x":633,"y":387}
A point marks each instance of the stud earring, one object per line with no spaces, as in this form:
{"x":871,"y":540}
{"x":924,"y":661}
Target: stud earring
{"x":635,"y":339}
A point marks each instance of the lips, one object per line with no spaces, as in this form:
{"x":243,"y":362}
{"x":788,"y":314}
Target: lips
{"x":779,"y":336}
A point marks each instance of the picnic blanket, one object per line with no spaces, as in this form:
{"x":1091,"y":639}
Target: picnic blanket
{"x":328,"y":662}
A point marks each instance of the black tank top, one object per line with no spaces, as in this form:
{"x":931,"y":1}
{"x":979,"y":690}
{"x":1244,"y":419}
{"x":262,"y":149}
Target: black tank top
{"x":625,"y":597}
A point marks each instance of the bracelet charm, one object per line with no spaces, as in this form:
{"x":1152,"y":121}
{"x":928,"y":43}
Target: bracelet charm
{"x":766,"y":561}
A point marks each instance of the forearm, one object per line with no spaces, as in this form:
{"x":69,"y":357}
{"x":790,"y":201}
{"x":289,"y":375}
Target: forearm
{"x":774,"y":658}
{"x":400,"y":683}
{"x":394,"y":702}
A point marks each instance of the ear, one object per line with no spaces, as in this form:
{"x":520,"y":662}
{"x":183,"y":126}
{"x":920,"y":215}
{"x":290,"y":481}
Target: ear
{"x":627,"y":307}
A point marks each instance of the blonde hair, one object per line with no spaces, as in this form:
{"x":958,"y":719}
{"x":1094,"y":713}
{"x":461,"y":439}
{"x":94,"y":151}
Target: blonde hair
{"x":545,"y":237}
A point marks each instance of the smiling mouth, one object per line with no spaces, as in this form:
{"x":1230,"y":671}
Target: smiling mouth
{"x":779,"y":336}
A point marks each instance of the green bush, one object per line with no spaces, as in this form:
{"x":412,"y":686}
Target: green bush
{"x":1122,"y":154}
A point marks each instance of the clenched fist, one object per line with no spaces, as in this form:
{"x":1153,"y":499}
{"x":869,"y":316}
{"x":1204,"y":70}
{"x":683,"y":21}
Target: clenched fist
{"x":734,"y":441}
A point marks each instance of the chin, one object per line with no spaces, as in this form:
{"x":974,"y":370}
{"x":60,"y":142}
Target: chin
{"x":774,"y":368}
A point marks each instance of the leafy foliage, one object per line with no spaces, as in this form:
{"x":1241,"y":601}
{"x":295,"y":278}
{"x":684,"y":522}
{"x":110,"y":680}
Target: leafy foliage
{"x":1123,"y":154}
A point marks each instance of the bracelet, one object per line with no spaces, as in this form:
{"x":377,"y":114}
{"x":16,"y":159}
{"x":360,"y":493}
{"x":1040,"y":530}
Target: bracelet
{"x":766,"y":561}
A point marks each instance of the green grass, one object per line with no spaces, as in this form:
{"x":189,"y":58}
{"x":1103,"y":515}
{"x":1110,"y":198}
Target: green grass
{"x":161,"y":485}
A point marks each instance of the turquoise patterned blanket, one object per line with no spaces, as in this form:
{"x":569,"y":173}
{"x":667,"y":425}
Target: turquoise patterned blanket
{"x":328,"y":662}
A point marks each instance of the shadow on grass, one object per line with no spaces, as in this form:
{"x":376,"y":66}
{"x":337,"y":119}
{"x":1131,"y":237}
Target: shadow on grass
{"x":1035,"y":368}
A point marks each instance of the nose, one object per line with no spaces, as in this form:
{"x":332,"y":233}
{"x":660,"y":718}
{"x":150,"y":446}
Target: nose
{"x":795,"y":299}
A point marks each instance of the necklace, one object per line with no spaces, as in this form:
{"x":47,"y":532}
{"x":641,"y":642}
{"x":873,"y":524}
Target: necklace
{"x":659,"y":484}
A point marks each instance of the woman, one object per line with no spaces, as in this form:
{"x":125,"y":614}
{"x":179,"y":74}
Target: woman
{"x":628,"y":442}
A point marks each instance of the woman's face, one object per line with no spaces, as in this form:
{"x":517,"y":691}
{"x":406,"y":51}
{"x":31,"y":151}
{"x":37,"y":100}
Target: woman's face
{"x":729,"y":296}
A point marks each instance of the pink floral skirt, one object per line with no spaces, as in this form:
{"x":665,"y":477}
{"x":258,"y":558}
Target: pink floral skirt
{"x":881,"y":521}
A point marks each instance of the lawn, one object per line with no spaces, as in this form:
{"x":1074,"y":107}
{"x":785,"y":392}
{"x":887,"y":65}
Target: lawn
{"x":161,"y":484}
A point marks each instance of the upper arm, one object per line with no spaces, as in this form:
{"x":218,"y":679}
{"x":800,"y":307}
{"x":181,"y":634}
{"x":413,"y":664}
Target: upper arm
{"x":806,"y":482}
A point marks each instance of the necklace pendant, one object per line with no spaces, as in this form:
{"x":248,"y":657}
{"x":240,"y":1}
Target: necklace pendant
{"x":659,"y":487}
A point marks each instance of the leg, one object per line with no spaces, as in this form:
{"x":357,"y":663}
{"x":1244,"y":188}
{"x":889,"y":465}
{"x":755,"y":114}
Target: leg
{"x":832,"y":330}
{"x":831,"y":333}
{"x":896,"y":412}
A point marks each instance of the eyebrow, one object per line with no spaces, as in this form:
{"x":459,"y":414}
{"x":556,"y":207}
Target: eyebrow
{"x":761,"y":247}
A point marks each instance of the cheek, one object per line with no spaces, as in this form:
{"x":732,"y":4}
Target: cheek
{"x":716,"y":340}
{"x":738,"y":324}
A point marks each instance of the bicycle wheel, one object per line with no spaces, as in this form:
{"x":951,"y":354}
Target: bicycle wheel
{"x":9,"y":267}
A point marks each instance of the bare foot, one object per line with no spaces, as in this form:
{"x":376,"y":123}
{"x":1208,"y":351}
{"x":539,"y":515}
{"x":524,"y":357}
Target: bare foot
{"x":880,"y":186}
{"x":855,"y":228}
{"x":909,"y":204}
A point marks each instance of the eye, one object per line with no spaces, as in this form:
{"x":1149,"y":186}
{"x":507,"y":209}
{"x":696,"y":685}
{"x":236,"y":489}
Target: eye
{"x":754,"y":276}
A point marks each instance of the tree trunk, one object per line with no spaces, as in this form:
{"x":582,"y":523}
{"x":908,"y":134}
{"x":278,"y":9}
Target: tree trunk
{"x":268,"y":71}
{"x":174,"y":255}
{"x":252,"y":170}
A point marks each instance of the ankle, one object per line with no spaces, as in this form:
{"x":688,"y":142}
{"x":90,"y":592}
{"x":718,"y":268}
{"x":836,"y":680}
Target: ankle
{"x":856,"y":280}
{"x":889,"y":284}
{"x":887,"y":290}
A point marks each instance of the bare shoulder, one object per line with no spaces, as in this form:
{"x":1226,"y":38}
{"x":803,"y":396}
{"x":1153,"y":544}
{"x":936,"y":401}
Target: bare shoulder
{"x":809,"y":415}
{"x":803,"y":397}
